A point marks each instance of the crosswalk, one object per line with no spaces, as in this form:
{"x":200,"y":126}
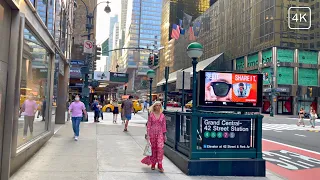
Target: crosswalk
{"x":288,"y":127}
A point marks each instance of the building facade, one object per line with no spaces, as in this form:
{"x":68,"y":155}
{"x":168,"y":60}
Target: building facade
{"x":34,"y":63}
{"x":254,"y":37}
{"x":113,"y":21}
{"x":79,"y":36}
{"x":173,"y":11}
{"x":115,"y":45}
{"x":142,"y":30}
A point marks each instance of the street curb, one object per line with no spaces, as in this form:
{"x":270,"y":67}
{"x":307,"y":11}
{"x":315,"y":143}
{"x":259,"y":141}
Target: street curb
{"x":273,"y":174}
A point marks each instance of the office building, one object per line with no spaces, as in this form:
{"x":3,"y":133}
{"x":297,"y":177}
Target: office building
{"x":79,"y":36}
{"x":123,"y":21}
{"x":173,"y":11}
{"x":254,"y":37}
{"x":34,"y":61}
{"x":115,"y":44}
{"x":142,"y":30}
{"x":113,"y":21}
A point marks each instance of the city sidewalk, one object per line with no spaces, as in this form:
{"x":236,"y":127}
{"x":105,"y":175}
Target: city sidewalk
{"x":103,"y":152}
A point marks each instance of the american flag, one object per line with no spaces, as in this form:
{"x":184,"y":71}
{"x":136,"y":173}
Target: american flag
{"x":191,"y":34}
{"x":175,"y":34}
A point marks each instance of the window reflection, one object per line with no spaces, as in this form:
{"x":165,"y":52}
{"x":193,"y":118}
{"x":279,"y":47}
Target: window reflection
{"x":42,"y":10}
{"x":32,"y":2}
{"x":50,"y":16}
{"x":57,"y":22}
{"x":33,"y":89}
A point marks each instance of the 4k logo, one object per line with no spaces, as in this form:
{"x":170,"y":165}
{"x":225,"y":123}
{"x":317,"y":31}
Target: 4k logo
{"x":299,"y":18}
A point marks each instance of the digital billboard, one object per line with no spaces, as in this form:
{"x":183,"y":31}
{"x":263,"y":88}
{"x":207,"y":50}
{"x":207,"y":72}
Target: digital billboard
{"x":230,"y":89}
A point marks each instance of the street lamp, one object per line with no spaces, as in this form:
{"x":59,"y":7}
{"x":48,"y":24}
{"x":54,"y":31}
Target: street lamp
{"x":194,"y":51}
{"x":107,"y":9}
{"x":151,"y":74}
{"x":89,"y":27}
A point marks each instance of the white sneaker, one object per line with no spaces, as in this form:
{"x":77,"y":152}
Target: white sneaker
{"x":76,"y":138}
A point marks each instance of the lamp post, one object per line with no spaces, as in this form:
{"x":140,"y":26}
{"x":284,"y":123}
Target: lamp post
{"x":194,"y":51}
{"x":89,"y":27}
{"x":151,"y":74}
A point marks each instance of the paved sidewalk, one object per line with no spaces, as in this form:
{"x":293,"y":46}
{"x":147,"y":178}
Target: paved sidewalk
{"x":103,"y":152}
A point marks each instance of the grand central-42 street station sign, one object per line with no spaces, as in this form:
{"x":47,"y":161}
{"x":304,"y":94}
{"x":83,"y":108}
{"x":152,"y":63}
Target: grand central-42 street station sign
{"x":226,"y":133}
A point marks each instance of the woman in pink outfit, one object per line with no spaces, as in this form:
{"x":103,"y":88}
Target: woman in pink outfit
{"x":156,"y":134}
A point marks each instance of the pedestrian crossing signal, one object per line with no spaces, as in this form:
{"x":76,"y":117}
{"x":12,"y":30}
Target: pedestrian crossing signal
{"x":265,"y":76}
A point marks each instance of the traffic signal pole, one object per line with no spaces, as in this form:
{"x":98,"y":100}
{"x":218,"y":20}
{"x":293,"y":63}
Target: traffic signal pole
{"x":85,"y":89}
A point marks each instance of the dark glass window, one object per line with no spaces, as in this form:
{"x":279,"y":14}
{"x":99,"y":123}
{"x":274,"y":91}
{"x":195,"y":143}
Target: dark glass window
{"x":42,"y":10}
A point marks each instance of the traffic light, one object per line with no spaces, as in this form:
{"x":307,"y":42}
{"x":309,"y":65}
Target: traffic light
{"x":94,"y":65}
{"x":309,"y":91}
{"x":97,"y":53}
{"x":156,"y":60}
{"x":150,"y":60}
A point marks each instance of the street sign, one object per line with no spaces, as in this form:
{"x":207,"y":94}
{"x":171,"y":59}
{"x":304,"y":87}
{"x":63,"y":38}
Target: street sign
{"x":119,"y":77}
{"x":88,"y":46}
{"x":102,"y":76}
{"x":179,"y":82}
{"x":226,"y":133}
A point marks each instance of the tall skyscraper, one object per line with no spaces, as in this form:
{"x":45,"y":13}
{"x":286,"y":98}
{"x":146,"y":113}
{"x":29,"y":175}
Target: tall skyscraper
{"x":122,"y":25}
{"x":113,"y":21}
{"x":142,"y":30}
{"x":115,"y":45}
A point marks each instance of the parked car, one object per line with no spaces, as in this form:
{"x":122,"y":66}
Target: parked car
{"x":189,"y":105}
{"x":136,"y":106}
{"x":173,"y":104}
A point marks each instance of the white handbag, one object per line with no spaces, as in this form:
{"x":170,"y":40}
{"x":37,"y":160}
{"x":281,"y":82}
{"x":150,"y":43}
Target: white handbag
{"x":147,"y":149}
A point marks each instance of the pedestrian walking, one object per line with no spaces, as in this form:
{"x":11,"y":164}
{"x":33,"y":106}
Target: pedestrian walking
{"x":145,"y":105}
{"x":29,"y":107}
{"x":123,"y":117}
{"x":100,"y":110}
{"x":77,"y":109}
{"x":313,"y":117}
{"x":95,"y":108}
{"x":43,"y":109}
{"x":156,"y":135}
{"x":301,"y":117}
{"x":115,"y":111}
{"x":68,"y":114}
{"x":127,"y":110}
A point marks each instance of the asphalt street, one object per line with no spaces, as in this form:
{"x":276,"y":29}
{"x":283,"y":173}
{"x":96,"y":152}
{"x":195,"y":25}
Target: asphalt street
{"x":285,"y":130}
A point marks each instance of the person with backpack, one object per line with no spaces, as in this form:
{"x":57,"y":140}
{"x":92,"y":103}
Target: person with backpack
{"x":95,"y":108}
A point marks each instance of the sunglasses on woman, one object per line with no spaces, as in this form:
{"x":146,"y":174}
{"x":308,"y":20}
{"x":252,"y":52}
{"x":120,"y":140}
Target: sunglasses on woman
{"x":221,"y":89}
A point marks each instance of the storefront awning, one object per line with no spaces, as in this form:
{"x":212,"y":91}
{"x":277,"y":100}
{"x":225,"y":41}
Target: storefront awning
{"x":202,"y":65}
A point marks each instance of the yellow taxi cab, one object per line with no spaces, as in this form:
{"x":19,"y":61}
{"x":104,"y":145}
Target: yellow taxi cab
{"x":136,"y":106}
{"x":109,"y":108}
{"x":189,"y":105}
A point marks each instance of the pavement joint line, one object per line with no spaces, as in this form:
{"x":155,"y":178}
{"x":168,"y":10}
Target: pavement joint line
{"x":291,"y":146}
{"x":55,"y":131}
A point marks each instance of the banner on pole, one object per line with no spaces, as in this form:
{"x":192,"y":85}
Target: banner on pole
{"x":187,"y":81}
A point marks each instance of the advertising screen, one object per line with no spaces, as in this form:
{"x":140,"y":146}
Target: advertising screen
{"x":230,"y":89}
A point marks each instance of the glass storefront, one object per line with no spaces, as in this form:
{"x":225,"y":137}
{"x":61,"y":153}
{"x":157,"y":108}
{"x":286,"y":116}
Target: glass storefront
{"x":306,"y":102}
{"x":34,"y":89}
{"x":284,"y":105}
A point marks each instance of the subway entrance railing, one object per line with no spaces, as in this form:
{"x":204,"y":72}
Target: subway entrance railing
{"x":212,"y":143}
